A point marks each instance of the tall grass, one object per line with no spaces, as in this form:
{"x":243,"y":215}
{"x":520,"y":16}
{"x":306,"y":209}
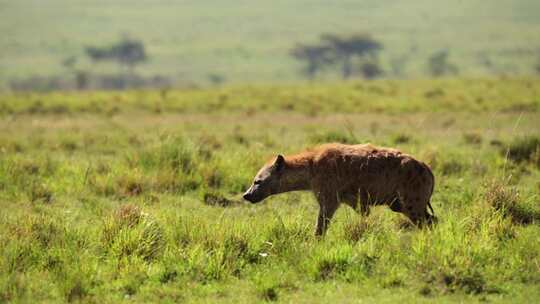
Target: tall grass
{"x":126,"y":210}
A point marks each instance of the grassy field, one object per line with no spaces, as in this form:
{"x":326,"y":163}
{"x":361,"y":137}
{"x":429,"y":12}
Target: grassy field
{"x":135,"y":196}
{"x":188,"y":40}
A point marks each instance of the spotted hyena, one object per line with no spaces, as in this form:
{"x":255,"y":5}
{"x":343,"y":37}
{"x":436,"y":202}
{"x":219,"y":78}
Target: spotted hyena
{"x":357,"y":175}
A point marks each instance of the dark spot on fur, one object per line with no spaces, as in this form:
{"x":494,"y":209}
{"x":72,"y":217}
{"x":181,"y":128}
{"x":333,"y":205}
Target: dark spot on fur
{"x":409,"y":208}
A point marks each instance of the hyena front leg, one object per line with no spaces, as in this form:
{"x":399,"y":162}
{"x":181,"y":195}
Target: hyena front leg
{"x":364,"y":202}
{"x":328,"y":204}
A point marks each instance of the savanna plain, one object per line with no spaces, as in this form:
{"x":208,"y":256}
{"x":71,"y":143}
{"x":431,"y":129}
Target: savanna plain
{"x":136,"y":196}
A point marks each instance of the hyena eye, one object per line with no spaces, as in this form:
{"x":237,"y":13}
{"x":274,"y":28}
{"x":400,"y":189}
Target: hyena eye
{"x":257,"y":182}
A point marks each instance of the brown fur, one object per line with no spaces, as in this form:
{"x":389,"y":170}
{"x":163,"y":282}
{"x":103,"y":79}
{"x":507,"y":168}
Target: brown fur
{"x":357,"y":175}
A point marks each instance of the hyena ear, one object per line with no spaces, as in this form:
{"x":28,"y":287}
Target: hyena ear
{"x":280,"y":162}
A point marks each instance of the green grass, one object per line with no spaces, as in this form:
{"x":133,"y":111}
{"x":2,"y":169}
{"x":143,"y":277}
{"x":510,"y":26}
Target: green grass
{"x":509,"y":95}
{"x":189,"y":40}
{"x":106,"y":199}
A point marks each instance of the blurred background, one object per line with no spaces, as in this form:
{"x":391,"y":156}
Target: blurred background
{"x":116,"y":44}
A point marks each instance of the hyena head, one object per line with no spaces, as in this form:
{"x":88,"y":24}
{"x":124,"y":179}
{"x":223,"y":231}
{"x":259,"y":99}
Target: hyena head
{"x":266,"y":182}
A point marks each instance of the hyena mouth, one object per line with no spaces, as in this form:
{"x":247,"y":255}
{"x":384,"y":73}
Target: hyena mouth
{"x":251,"y":198}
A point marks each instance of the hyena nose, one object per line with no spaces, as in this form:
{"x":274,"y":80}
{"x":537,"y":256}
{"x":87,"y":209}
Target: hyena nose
{"x":248,"y":196}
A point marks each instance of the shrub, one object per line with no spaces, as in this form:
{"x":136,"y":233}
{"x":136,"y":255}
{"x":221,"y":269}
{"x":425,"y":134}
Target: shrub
{"x":229,"y":173}
{"x":213,"y":176}
{"x":526,"y":149}
{"x":472,"y":138}
{"x":269,"y":293}
{"x":333,"y":263}
{"x":168,"y":180}
{"x":285,"y":236}
{"x":219,"y":254}
{"x":333,"y":136}
{"x":130,"y":185}
{"x":401,"y":138}
{"x":40,"y":192}
{"x":216,"y":198}
{"x":470,"y":281}
{"x":507,"y":201}
{"x":175,"y":164}
{"x":74,"y":286}
{"x":342,"y":262}
{"x":175,"y":154}
{"x":355,"y":230}
{"x":439,"y":65}
{"x":69,"y":144}
{"x":131,"y":232}
{"x":451,"y":166}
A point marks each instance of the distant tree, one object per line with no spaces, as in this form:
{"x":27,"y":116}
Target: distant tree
{"x":439,"y":66}
{"x":316,"y":57}
{"x":69,"y":62}
{"x":81,"y":77}
{"x":127,"y":52}
{"x":346,"y":48}
{"x":398,"y":64}
{"x":216,"y":79}
{"x":344,"y":51}
{"x":371,"y":70}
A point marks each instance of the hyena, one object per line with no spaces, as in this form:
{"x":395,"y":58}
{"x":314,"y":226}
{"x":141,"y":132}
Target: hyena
{"x":357,"y":175}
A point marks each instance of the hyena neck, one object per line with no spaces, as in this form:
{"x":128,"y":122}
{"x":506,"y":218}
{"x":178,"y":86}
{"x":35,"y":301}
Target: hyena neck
{"x":297,"y":174}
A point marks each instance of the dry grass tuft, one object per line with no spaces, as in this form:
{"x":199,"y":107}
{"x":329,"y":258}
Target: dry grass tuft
{"x":506,"y":200}
{"x":131,"y":232}
{"x":525,"y":149}
{"x":357,"y":229}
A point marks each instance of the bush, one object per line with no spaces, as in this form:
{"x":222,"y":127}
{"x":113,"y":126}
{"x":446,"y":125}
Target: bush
{"x":342,"y":262}
{"x":40,"y":192}
{"x":333,"y":137}
{"x":356,"y":230}
{"x":333,"y":263}
{"x":526,"y":149}
{"x":130,"y":185}
{"x":451,"y":166}
{"x":507,"y":201}
{"x":174,"y":153}
{"x":439,"y":65}
{"x":176,"y":165}
{"x":401,"y":138}
{"x":131,"y":232}
{"x":471,"y":281}
{"x":472,"y":138}
{"x":171,"y":181}
{"x":216,"y":198}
